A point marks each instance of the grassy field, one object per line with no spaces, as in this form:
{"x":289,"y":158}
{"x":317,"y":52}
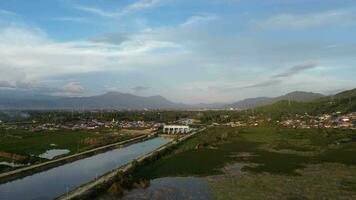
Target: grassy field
{"x":279,"y":161}
{"x":23,"y":143}
{"x":327,"y":181}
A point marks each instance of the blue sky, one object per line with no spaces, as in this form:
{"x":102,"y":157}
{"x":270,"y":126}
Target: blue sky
{"x":199,"y":51}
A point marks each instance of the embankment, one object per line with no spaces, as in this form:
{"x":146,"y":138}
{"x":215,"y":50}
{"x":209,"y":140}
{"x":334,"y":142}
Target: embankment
{"x":26,"y":171}
{"x":91,"y":189}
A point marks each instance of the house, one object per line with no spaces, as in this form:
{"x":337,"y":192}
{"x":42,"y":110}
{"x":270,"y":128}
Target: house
{"x":345,"y":125}
{"x":175,"y":129}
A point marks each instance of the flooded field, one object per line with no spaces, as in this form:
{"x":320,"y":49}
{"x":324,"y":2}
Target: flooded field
{"x":50,"y":154}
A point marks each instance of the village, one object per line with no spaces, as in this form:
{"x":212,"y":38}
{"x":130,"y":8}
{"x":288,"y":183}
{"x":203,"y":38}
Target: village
{"x":93,"y":124}
{"x":306,"y":121}
{"x":334,"y":120}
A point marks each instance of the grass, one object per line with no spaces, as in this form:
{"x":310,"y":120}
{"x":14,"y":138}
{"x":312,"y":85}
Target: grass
{"x":274,"y":150}
{"x":327,"y":181}
{"x":276,"y":163}
{"x":187,"y":160}
{"x":26,"y":143}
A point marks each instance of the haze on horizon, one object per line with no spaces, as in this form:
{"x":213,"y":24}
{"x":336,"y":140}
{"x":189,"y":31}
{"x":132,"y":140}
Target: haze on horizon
{"x":201,"y":51}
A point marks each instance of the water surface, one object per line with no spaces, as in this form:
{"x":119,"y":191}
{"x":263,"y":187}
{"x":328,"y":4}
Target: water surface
{"x":56,"y":181}
{"x":172,"y":188}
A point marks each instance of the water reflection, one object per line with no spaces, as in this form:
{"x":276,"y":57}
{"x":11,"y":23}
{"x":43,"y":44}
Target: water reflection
{"x":54,"y":182}
{"x":172,"y":188}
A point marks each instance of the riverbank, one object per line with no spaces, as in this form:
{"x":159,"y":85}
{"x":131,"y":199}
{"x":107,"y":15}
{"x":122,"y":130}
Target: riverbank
{"x":94,"y":188}
{"x":22,"y":172}
{"x":54,"y":182}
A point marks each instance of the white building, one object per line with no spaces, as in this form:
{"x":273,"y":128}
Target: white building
{"x":174,"y":129}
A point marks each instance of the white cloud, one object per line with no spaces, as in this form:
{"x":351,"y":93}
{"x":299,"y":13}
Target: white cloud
{"x":184,"y":57}
{"x":98,"y":11}
{"x":27,"y":54}
{"x":73,"y":88}
{"x":200,"y":19}
{"x":310,"y":20}
{"x":129,"y":9}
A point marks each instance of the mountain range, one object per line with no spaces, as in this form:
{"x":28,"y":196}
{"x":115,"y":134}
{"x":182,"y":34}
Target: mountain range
{"x":124,"y":101}
{"x":109,"y":100}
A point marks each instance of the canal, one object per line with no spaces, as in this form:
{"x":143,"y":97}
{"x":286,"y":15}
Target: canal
{"x":56,"y":181}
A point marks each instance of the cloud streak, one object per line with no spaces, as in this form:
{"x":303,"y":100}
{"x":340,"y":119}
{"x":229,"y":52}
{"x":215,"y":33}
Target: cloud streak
{"x":72,"y":19}
{"x":295,"y":70}
{"x":139,"y":88}
{"x":278,"y":78}
{"x":6,"y":12}
{"x":273,"y":80}
{"x":310,"y":20}
{"x":129,"y":9}
{"x":264,"y":84}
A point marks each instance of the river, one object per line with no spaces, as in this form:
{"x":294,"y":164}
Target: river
{"x":56,"y":181}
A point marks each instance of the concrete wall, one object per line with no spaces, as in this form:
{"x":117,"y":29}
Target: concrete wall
{"x":174,"y":129}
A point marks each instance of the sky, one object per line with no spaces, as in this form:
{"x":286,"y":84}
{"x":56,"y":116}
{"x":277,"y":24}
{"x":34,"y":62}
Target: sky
{"x":189,"y":51}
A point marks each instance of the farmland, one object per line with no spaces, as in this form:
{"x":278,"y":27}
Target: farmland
{"x":24,"y":147}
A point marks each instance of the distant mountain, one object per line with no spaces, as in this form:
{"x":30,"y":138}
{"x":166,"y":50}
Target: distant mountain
{"x":263,"y":101}
{"x":301,"y":101}
{"x":110,"y":100}
{"x":251,"y":103}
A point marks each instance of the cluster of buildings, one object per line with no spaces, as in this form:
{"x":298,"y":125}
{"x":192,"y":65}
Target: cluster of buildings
{"x":84,"y":125}
{"x":336,"y":120}
{"x":175,"y":127}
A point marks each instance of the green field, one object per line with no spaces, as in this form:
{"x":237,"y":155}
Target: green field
{"x":287,"y":162}
{"x":26,"y":143}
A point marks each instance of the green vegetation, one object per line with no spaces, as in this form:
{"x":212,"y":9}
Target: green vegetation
{"x":278,"y":151}
{"x":327,"y":181}
{"x":344,"y":102}
{"x":289,"y":163}
{"x":187,"y":160}
{"x":26,"y":143}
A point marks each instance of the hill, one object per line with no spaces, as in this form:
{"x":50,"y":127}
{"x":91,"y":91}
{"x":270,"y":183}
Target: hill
{"x":262,"y":101}
{"x":344,"y":102}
